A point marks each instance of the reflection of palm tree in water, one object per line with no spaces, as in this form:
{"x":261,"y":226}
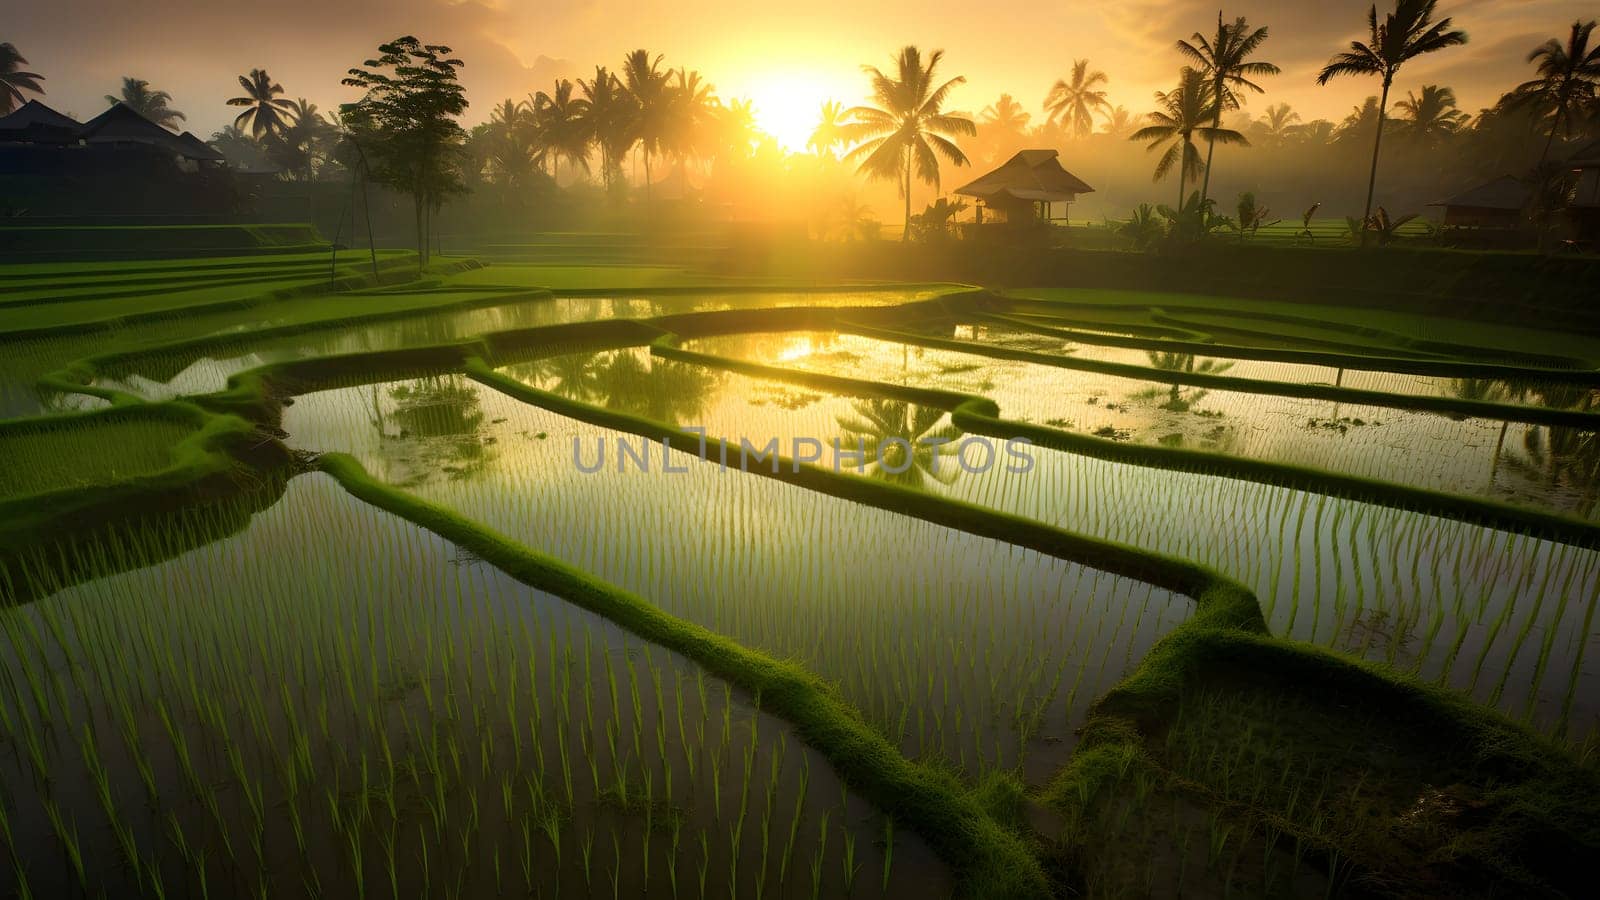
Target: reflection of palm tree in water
{"x":895,"y":435}
{"x":1557,"y":456}
{"x":1185,"y":363}
{"x":663,"y":390}
{"x":443,"y":414}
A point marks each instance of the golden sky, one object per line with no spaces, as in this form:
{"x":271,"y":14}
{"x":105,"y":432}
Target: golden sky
{"x":786,"y":58}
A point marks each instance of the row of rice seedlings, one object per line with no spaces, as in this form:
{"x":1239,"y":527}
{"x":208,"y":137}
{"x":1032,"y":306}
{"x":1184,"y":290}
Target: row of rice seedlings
{"x":966,"y":649}
{"x":1533,"y":465}
{"x":54,"y":456}
{"x":1501,"y":615}
{"x":338,"y":703}
{"x":162,"y":374}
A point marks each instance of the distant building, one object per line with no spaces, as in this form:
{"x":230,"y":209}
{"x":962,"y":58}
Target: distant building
{"x":1583,"y":202}
{"x":1501,"y":203}
{"x":37,"y":140}
{"x":1026,"y":188}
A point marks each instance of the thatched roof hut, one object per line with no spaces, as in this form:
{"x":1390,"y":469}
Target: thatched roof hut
{"x":1026,"y":187}
{"x":1500,"y":203}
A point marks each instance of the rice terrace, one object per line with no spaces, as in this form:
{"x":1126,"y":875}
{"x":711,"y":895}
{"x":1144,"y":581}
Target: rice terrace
{"x":802,"y":486}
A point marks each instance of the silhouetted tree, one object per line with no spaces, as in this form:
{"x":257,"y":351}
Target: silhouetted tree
{"x":13,"y":81}
{"x":1403,"y":35}
{"x":561,"y":127}
{"x":1224,"y":59}
{"x":1568,"y":76}
{"x":1280,"y":123}
{"x":908,"y":130}
{"x":1432,"y":116}
{"x":647,"y":85}
{"x":607,"y":119}
{"x":1119,"y":122}
{"x":137,"y":96}
{"x":264,"y":111}
{"x":1185,"y":112}
{"x":1075,"y":102}
{"x":406,"y":125}
{"x":830,"y":131}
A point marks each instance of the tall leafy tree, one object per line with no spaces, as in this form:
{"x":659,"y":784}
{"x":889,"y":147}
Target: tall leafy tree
{"x":1185,"y":111}
{"x":1401,"y":36}
{"x":152,"y":104}
{"x":507,"y":143}
{"x":1569,"y":80}
{"x":1118,"y":121}
{"x":607,"y":119}
{"x":1074,"y":102}
{"x":648,"y":86}
{"x":1281,"y":123}
{"x":908,"y":131}
{"x":264,"y":113}
{"x":1224,"y":58}
{"x":830,"y":131}
{"x":405,"y":124}
{"x":13,"y":81}
{"x":1431,"y":116}
{"x":563,"y":131}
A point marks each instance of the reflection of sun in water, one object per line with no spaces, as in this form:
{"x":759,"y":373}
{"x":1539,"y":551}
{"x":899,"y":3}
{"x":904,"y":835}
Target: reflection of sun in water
{"x":798,"y":348}
{"x":788,"y":107}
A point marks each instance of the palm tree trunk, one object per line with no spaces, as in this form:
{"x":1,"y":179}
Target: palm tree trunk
{"x":1211,"y":145}
{"x":1377,"y":143}
{"x":905,"y":233}
{"x":647,"y":197}
{"x":422,"y":245}
{"x":1544,"y":180}
{"x":1183,"y":174}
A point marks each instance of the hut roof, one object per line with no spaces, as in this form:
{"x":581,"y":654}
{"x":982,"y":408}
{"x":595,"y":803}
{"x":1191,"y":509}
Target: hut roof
{"x":35,"y":113}
{"x":198,"y":149}
{"x":1029,"y":175}
{"x":1505,"y":193}
{"x":1587,"y":157}
{"x":37,"y":123}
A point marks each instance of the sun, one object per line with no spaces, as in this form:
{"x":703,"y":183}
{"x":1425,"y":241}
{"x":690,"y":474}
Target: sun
{"x":787,"y":106}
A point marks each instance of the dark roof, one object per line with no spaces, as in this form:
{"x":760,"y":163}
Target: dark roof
{"x":1029,"y":175}
{"x":122,"y":125}
{"x":1504,"y":192}
{"x":198,"y":149}
{"x":35,"y":113}
{"x":1587,"y":156}
{"x":36,"y":123}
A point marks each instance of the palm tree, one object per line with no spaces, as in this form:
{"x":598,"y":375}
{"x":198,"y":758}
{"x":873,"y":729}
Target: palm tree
{"x":13,"y":81}
{"x":1075,"y":102}
{"x":1005,"y":115}
{"x":1225,"y":60}
{"x":263,"y":109}
{"x":1405,"y":34}
{"x":1118,"y":121}
{"x":1568,"y":77}
{"x":606,"y":119}
{"x":1185,"y":110}
{"x":647,"y":85}
{"x":830,"y":129}
{"x":509,"y":140}
{"x":137,"y":96}
{"x":1280,"y":123}
{"x":295,"y":145}
{"x":1362,"y":120}
{"x":692,"y":119}
{"x":1433,"y":115}
{"x":908,"y":130}
{"x":562,"y":129}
